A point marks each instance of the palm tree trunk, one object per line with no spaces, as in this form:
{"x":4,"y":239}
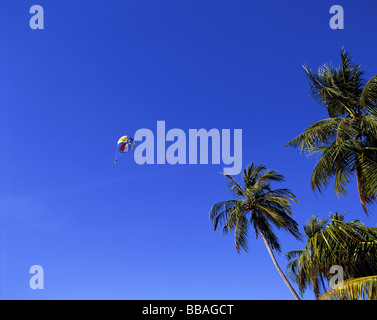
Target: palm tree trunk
{"x":277,"y":266}
{"x":364,"y":199}
{"x":362,"y":195}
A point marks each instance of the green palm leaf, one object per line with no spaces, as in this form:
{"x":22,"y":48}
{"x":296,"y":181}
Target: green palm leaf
{"x":356,"y":289}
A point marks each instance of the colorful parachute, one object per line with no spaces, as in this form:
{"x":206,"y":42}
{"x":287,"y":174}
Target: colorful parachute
{"x":125,"y":144}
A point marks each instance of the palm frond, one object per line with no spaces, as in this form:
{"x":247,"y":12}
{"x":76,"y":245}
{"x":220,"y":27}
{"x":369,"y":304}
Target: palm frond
{"x":335,"y":162}
{"x":364,"y":288}
{"x":313,"y":226}
{"x":220,"y":212}
{"x":368,"y":98}
{"x":263,"y":226}
{"x":241,"y":232}
{"x":234,"y":186}
{"x":319,"y":133}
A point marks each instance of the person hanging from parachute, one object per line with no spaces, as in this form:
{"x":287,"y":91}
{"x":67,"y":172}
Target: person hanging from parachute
{"x":124,"y":145}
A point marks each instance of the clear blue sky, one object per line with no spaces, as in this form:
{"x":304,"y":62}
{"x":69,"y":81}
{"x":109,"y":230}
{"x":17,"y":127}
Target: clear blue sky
{"x":102,"y":69}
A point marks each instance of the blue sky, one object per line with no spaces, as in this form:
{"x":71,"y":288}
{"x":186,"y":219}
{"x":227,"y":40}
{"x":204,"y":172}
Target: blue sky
{"x":102,"y":69}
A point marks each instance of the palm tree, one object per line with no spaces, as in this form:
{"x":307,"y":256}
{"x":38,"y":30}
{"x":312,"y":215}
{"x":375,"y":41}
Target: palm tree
{"x":351,"y":103}
{"x":348,"y":244}
{"x":258,"y":206}
{"x":311,"y":278}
